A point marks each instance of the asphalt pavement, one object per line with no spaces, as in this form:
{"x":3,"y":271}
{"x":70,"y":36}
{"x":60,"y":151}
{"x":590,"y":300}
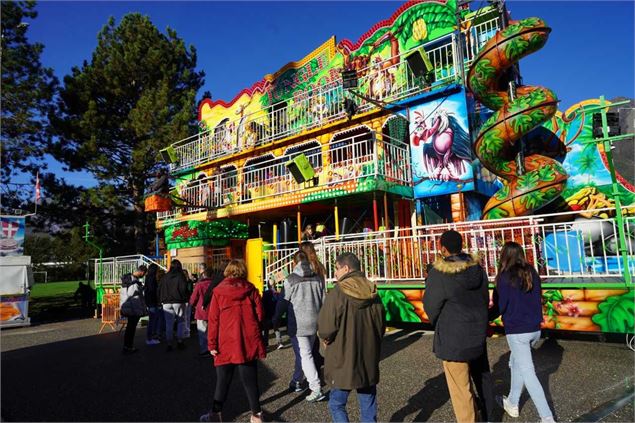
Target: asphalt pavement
{"x":65,"y":371}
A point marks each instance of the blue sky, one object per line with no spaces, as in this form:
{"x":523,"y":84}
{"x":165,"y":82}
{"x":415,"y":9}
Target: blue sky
{"x":589,"y":53}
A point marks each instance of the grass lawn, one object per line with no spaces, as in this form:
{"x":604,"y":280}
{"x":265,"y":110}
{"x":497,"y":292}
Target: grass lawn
{"x":53,"y":289}
{"x":54,"y":302}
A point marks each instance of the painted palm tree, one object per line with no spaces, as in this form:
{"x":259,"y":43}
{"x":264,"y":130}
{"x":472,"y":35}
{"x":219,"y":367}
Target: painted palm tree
{"x":587,"y":162}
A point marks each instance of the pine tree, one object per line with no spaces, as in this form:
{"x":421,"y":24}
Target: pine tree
{"x":26,"y":94}
{"x":134,"y":97}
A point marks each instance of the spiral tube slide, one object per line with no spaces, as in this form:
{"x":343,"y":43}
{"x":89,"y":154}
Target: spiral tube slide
{"x":496,"y":146}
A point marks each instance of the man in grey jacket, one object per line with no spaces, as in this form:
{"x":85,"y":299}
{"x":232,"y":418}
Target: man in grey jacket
{"x":303,"y":298}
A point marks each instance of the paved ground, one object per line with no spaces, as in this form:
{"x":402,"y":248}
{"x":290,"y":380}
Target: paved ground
{"x":66,"y":372}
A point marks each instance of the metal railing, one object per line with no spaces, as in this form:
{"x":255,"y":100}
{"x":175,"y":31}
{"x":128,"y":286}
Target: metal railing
{"x":326,"y":104}
{"x":348,"y":159}
{"x":571,"y":251}
{"x":113,"y":268}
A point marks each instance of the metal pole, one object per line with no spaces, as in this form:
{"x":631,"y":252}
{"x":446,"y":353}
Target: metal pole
{"x":616,"y":194}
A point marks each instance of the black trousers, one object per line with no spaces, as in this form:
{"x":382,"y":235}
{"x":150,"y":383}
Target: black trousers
{"x":249,"y":377}
{"x":131,"y":327}
{"x":482,"y":377}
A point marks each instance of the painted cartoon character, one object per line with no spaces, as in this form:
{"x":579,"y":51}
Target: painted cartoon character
{"x":446,"y":145}
{"x":382,"y":78}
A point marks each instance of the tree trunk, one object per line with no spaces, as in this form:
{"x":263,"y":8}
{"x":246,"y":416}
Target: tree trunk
{"x":140,"y":218}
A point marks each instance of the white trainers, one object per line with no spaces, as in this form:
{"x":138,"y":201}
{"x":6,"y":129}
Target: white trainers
{"x":510,"y":409}
{"x":315,"y":396}
{"x":152,"y":342}
{"x":549,"y":419}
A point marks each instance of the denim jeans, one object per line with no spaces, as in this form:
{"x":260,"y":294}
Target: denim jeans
{"x":172,"y":312}
{"x":305,"y":344}
{"x":153,"y":328}
{"x":367,"y":398}
{"x":523,"y":372}
{"x":201,"y":328}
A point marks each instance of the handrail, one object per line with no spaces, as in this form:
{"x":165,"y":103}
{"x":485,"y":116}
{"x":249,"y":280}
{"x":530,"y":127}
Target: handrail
{"x":324,"y":106}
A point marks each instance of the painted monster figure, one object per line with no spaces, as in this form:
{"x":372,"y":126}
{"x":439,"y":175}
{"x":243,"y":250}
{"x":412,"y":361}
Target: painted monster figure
{"x":446,"y":152}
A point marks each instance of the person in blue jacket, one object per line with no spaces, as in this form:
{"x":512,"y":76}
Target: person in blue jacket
{"x":518,"y":299}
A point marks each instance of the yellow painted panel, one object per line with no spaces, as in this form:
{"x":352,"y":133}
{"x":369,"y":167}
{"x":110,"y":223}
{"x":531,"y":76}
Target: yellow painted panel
{"x":253,"y":257}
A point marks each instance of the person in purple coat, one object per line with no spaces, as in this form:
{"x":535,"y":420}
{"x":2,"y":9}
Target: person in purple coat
{"x":518,"y":299}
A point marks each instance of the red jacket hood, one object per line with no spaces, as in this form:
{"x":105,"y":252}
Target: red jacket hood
{"x":234,"y":288}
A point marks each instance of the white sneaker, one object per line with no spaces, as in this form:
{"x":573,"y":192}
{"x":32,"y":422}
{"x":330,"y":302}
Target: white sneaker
{"x":510,"y":409}
{"x":152,"y":342}
{"x":549,"y":419}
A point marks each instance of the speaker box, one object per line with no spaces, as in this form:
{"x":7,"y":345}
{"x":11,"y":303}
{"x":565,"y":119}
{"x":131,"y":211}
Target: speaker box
{"x":300,"y":168}
{"x":420,"y":65}
{"x":168,"y":155}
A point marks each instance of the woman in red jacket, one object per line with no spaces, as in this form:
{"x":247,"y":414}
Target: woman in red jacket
{"x":237,"y":308}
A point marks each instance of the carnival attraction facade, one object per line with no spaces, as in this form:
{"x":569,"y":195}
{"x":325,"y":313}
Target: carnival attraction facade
{"x":383,"y":143}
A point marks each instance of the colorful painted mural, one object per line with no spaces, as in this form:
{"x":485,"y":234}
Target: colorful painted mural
{"x":589,"y":183}
{"x":303,"y":94}
{"x":538,"y":178}
{"x":440,"y":147}
{"x":584,"y":310}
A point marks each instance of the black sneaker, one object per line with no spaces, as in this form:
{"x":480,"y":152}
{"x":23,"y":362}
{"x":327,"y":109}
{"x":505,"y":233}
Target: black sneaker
{"x":129,"y":350}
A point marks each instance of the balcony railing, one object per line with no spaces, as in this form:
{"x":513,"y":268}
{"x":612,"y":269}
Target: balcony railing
{"x":359,"y":156}
{"x":326,"y":104}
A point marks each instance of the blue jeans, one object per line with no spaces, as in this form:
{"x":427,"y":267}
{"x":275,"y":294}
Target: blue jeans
{"x":153,"y":322}
{"x":201,"y":328}
{"x":367,"y":398}
{"x":173,"y":312}
{"x":523,"y":372}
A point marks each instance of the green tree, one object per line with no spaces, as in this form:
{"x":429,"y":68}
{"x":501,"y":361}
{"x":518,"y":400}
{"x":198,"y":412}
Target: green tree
{"x":26,"y":95}
{"x":587,"y":163}
{"x":134,"y":97}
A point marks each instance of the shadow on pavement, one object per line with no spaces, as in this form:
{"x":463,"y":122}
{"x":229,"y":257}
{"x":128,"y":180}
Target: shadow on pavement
{"x":547,"y":359}
{"x":432,"y":396}
{"x":89,"y":379}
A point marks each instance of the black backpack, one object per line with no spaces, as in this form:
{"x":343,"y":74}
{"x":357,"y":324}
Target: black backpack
{"x":217,"y":277}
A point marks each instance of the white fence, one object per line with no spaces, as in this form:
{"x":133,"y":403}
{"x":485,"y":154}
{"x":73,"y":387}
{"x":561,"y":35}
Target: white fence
{"x":113,"y":268}
{"x":576,"y":250}
{"x":389,"y":80}
{"x":347,"y":159}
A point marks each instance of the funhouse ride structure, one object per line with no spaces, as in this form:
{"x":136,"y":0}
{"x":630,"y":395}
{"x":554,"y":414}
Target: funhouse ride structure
{"x":381,"y":144}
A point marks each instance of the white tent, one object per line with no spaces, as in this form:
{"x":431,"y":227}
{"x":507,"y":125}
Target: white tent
{"x":16,"y":277}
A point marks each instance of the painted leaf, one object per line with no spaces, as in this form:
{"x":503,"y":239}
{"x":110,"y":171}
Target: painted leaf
{"x":515,"y":48}
{"x":617,"y":314}
{"x":528,"y":181}
{"x":522,"y":123}
{"x":496,"y":213}
{"x":397,"y":306}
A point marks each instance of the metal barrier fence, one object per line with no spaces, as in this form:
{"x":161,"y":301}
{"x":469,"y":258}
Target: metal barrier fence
{"x":113,"y":268}
{"x":574,"y":250}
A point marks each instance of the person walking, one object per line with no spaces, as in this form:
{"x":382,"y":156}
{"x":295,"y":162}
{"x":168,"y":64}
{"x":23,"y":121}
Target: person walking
{"x":270,"y":298}
{"x":173,"y":295}
{"x":351,"y":325}
{"x":456,"y":301}
{"x":236,"y":308}
{"x":187,"y":315}
{"x":316,"y":265}
{"x":303,"y":297}
{"x":133,"y":306}
{"x":150,"y":289}
{"x":518,"y":299}
{"x":208,"y":280}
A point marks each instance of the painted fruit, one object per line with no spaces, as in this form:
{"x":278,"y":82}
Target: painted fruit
{"x":419,"y":30}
